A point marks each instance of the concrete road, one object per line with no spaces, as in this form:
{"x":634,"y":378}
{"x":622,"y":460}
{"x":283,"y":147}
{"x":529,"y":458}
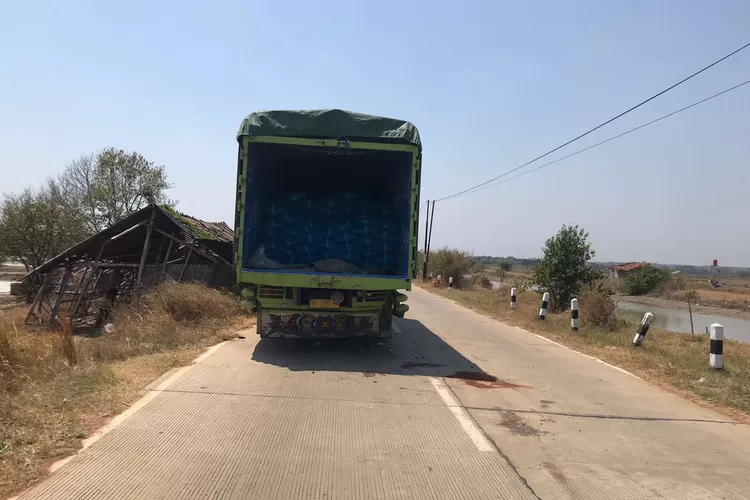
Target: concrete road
{"x":455,"y":406}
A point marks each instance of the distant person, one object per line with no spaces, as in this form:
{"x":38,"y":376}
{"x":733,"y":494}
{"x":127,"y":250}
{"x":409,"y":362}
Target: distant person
{"x":450,"y":282}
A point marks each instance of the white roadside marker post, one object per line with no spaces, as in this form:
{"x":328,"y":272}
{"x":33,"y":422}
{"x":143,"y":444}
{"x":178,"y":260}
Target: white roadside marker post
{"x":643,"y":329}
{"x":716,"y":356}
{"x":512,"y":298}
{"x":545,"y":304}
{"x":574,"y":314}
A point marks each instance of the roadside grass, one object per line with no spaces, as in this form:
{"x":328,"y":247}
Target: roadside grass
{"x":57,"y":389}
{"x":673,"y":361}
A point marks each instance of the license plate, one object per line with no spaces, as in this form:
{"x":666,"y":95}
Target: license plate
{"x":323,"y":304}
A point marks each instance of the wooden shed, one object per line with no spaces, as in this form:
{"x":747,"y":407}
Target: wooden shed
{"x":146,"y":248}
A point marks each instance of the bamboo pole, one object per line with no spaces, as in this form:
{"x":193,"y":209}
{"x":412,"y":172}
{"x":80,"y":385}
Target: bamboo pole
{"x":146,"y":245}
{"x":38,"y":297}
{"x":60,"y":292}
{"x":184,"y":266}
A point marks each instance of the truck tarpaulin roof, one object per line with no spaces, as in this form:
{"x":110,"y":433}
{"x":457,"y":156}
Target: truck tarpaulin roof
{"x":329,"y":124}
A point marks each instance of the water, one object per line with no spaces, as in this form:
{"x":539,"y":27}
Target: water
{"x":496,"y":284}
{"x":678,"y":320}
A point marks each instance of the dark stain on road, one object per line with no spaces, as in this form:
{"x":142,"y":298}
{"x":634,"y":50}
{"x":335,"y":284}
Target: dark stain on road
{"x":483,"y":380}
{"x":413,"y":364}
{"x":368,"y":374}
{"x":555,"y":472}
{"x":546,"y":403}
{"x":517,"y":426}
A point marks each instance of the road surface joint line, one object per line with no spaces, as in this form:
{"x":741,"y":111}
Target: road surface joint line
{"x":293,"y":398}
{"x":150,"y":395}
{"x":466,"y":422}
{"x":604,"y":416}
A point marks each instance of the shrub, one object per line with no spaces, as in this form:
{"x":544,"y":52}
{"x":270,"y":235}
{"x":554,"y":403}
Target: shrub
{"x":450,"y":262}
{"x":168,"y":316}
{"x":506,"y":266}
{"x":482,"y":281}
{"x":646,"y":280}
{"x":598,"y":308}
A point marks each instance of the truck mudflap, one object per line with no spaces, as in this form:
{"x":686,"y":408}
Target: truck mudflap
{"x":323,"y":324}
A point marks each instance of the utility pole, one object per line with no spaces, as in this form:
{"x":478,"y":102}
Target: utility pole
{"x":426,"y":227}
{"x":429,"y":237}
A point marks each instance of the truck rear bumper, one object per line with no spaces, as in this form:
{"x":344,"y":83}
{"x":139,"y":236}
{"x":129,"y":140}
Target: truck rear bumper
{"x":323,"y":324}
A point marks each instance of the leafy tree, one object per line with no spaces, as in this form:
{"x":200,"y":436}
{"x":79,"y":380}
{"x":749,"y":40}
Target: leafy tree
{"x":563,"y":269}
{"x":110,"y":185}
{"x":646,"y":280}
{"x":450,"y":262}
{"x":506,"y":266}
{"x":33,"y":228}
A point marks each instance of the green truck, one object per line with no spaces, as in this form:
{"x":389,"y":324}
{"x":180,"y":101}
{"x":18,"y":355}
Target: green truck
{"x":326,"y":221}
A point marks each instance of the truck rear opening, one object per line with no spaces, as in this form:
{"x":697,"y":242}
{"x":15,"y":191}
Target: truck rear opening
{"x":322,"y":210}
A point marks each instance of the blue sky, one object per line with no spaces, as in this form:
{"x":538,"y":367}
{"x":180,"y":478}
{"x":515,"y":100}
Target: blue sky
{"x":490,"y":85}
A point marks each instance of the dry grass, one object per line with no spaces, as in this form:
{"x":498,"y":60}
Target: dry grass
{"x":56,"y":389}
{"x":674,"y":361}
{"x":733,"y":294}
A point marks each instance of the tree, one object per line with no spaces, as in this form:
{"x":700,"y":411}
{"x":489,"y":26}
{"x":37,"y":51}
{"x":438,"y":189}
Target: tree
{"x":33,"y":228}
{"x":563,"y":269}
{"x":646,"y":280}
{"x":506,"y":266}
{"x":110,"y":185}
{"x":450,"y":262}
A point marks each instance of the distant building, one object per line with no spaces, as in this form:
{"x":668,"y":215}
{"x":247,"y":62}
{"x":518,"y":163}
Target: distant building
{"x":625,"y":270}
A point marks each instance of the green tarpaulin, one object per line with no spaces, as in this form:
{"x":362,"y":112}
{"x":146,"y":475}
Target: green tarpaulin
{"x":328,"y":124}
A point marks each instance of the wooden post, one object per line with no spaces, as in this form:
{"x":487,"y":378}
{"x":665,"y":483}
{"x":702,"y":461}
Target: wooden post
{"x":690,"y":296}
{"x":213,"y":274}
{"x":166,"y":257}
{"x":146,"y":245}
{"x":90,"y":274}
{"x":38,"y":297}
{"x":184,"y":266}
{"x":60,"y":293}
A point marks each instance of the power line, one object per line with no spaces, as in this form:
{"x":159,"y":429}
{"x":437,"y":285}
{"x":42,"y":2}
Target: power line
{"x":598,"y":126}
{"x":608,"y":140}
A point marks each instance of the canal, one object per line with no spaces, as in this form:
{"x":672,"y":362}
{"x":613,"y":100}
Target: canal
{"x":678,"y":320}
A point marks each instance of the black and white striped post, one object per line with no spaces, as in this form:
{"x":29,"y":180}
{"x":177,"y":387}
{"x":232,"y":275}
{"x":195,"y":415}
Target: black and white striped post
{"x":545,"y":303}
{"x":574,"y":314}
{"x":450,"y":282}
{"x":643,"y":329}
{"x":717,"y":347}
{"x":512,"y":298}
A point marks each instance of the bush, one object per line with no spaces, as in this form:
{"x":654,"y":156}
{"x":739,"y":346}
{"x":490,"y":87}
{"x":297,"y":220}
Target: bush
{"x":450,"y":262}
{"x":597,"y":307}
{"x":646,"y":280}
{"x":168,"y":316}
{"x":506,"y":266}
{"x":482,"y":281}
